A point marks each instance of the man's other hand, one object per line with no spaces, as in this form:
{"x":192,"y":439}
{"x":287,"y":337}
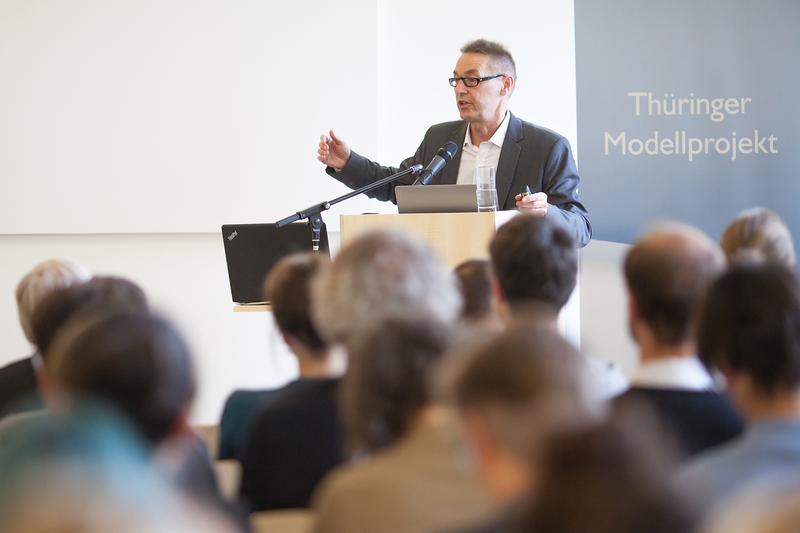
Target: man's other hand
{"x":333,"y":151}
{"x":534,"y":204}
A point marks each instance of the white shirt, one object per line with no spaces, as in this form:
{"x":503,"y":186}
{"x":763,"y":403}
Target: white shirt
{"x":685,"y":373}
{"x":485,"y":155}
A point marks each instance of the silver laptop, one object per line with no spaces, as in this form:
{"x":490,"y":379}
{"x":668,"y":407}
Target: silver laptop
{"x":436,"y":198}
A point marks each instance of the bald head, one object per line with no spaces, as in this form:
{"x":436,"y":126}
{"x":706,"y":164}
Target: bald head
{"x":667,"y":273}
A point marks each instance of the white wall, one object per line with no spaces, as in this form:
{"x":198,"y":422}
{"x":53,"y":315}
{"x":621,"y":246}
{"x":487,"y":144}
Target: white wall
{"x":185,"y":275}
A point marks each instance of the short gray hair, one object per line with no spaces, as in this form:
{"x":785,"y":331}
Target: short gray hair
{"x":499,"y":54}
{"x":39,"y":282}
{"x":382,"y":275}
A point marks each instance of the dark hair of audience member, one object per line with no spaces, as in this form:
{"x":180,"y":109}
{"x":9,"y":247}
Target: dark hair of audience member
{"x":667,"y":274}
{"x":387,"y":381}
{"x":534,"y":260}
{"x":526,"y":373}
{"x":758,"y":234}
{"x":475,"y":283}
{"x":609,"y":478}
{"x":101,"y":294}
{"x":134,"y":362}
{"x":750,"y":323}
{"x":288,"y":289}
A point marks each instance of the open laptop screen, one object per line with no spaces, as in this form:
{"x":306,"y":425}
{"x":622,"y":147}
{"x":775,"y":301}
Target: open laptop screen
{"x":251,"y":250}
{"x":436,"y":199}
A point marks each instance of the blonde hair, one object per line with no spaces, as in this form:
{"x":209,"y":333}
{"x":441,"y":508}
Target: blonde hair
{"x":40,"y":281}
{"x":758,"y":235}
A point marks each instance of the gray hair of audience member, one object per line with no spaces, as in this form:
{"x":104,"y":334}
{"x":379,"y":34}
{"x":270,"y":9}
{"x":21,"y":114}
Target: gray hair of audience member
{"x":758,"y":234}
{"x":133,"y":361}
{"x":475,"y":281}
{"x":613,"y":477}
{"x":749,"y":325}
{"x":501,"y":57}
{"x":35,"y":285}
{"x":288,"y":287}
{"x":525,"y":384}
{"x":382,"y":275}
{"x":667,"y":272}
{"x":534,"y":260}
{"x":99,"y":295}
{"x":388,"y":381}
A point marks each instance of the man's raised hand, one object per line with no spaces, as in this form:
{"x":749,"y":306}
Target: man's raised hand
{"x":333,"y":151}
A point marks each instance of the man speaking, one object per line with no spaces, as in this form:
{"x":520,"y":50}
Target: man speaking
{"x":490,"y":136}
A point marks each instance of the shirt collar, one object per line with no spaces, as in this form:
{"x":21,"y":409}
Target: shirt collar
{"x":681,"y":372}
{"x":496,"y":139}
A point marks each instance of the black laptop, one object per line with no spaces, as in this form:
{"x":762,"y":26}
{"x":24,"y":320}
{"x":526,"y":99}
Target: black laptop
{"x":251,"y":251}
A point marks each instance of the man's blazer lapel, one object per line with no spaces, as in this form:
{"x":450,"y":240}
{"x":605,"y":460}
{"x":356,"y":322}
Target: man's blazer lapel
{"x":449,"y":174}
{"x":509,"y":156}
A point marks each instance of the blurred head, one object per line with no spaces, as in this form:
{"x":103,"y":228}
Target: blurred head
{"x":475,"y":281}
{"x":86,"y":472}
{"x":513,"y":393}
{"x":758,"y":234}
{"x":610,"y":478}
{"x":100,"y":295}
{"x":749,"y":328}
{"x":387,"y":384}
{"x":43,"y":278}
{"x":487,"y":101}
{"x":289,"y":287}
{"x":379,"y":276}
{"x":667,"y":273}
{"x":134,"y":362}
{"x":535,"y":261}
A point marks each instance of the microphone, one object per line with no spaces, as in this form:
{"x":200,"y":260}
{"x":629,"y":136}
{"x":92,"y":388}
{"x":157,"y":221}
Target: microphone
{"x":442,"y":157}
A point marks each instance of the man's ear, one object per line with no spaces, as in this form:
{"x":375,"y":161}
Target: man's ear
{"x":633,"y":317}
{"x":497,"y":292}
{"x":500,"y":301}
{"x":508,"y":85}
{"x":478,"y":436}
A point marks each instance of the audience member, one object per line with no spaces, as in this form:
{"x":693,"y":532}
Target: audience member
{"x":86,"y":471}
{"x":410,"y":478}
{"x":288,"y":285}
{"x":758,"y":234}
{"x":18,"y":390}
{"x":475,"y":281}
{"x":535,"y":265}
{"x":382,"y":275}
{"x":667,"y":273}
{"x":100,"y":295}
{"x":513,"y":394}
{"x":295,"y":438}
{"x":611,"y":478}
{"x":749,"y":329}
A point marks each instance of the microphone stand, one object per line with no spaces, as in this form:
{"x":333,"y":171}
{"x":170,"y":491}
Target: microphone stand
{"x":314,"y":213}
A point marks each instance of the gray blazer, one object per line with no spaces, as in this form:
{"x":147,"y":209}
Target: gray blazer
{"x":533,"y":156}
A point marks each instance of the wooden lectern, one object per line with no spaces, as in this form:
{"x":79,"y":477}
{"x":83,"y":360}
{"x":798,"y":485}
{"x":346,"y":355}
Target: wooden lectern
{"x":455,"y":237}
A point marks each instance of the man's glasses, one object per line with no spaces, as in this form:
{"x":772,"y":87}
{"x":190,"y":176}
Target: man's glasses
{"x":473,"y":82}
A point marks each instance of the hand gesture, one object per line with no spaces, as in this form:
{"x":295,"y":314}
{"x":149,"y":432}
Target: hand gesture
{"x":333,"y":151}
{"x":534,"y":204}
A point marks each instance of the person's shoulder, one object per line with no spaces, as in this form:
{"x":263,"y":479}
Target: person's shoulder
{"x":446,"y":128}
{"x":300,"y":395}
{"x":19,"y":367}
{"x":531,"y":131}
{"x":347,"y":483}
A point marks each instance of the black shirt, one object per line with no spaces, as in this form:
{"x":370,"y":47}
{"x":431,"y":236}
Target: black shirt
{"x":295,"y":440}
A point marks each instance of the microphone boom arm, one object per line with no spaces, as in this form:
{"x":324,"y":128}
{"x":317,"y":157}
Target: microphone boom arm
{"x":314,"y":212}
